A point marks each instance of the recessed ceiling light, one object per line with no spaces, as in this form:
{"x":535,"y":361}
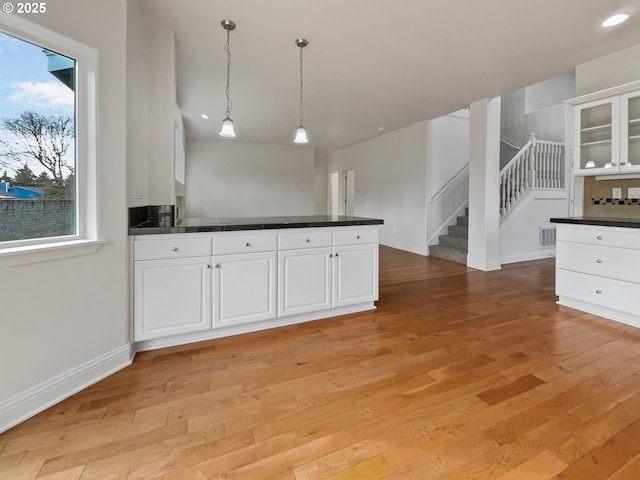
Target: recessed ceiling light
{"x":381,"y":129}
{"x":614,"y":20}
{"x":205,"y":116}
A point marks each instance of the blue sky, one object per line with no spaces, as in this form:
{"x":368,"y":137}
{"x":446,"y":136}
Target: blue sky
{"x":25,"y":84}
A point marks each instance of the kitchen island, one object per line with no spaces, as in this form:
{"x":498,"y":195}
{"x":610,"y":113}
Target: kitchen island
{"x":598,"y":266}
{"x":209,"y":278}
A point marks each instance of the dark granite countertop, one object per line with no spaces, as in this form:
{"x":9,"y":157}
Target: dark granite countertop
{"x":600,"y":221}
{"x":225,"y":224}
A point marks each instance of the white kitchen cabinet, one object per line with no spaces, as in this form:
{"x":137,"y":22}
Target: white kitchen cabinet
{"x":171,"y":297}
{"x":607,"y":131}
{"x":304,"y":280}
{"x":199,"y":286}
{"x":244,"y":287}
{"x":355,"y":274}
{"x":313,"y":279}
{"x":597,"y":270}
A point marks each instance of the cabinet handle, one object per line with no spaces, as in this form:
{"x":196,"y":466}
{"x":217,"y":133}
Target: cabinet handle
{"x":598,"y":261}
{"x":599,"y":237}
{"x":247,"y":244}
{"x":174,"y":249}
{"x":599,"y":292}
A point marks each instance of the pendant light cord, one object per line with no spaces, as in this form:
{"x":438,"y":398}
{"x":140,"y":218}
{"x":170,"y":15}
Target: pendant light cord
{"x":228,"y":50}
{"x":301,"y":116}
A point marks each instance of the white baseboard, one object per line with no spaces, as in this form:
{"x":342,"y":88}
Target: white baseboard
{"x":525,"y":257}
{"x":40,"y":397}
{"x":622,"y":317}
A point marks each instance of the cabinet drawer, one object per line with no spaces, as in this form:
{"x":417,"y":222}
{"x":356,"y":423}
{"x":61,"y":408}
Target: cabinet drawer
{"x":296,"y":240}
{"x":605,"y":292}
{"x":355,"y":236}
{"x":609,"y":236}
{"x":244,"y":243}
{"x":174,"y":247}
{"x":617,"y":263}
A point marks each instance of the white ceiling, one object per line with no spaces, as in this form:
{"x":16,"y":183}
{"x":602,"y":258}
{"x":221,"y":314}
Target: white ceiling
{"x":373,"y":64}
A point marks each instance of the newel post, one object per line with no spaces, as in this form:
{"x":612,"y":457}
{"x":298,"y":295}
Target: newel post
{"x":533,"y":161}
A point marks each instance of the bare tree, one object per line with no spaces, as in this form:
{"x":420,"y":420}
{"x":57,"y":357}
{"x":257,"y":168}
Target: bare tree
{"x":44,"y":138}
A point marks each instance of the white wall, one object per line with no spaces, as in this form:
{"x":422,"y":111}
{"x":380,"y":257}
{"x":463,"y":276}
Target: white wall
{"x":609,"y":71}
{"x":390,"y":177}
{"x":520,"y":230}
{"x":227,"y":178}
{"x":70,"y":317}
{"x":320,"y":184}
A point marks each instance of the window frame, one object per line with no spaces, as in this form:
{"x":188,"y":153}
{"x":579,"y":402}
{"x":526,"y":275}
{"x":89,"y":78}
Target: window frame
{"x":86,"y":239}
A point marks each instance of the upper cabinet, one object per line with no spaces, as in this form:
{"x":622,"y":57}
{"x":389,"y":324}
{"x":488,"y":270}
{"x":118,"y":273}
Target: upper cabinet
{"x":607,"y":131}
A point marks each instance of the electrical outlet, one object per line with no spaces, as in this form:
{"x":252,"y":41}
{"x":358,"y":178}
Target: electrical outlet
{"x":616,"y":193}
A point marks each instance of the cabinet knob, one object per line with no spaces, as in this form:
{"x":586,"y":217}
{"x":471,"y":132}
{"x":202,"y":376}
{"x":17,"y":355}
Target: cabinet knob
{"x":358,"y":237}
{"x":217,"y":265}
{"x":336,"y":254}
{"x":599,"y":292}
{"x":207,"y":266}
{"x":331,"y":255}
{"x":247,"y":244}
{"x":174,"y":249}
{"x":308,"y":240}
{"x":598,"y":261}
{"x":599,"y":237}
{"x":614,"y":164}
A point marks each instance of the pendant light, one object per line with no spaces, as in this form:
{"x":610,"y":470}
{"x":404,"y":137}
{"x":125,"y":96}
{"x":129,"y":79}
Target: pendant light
{"x":301,"y":133}
{"x":227,"y":123}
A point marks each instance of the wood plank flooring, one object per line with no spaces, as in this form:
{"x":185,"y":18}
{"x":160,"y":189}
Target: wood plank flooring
{"x":472,"y":375}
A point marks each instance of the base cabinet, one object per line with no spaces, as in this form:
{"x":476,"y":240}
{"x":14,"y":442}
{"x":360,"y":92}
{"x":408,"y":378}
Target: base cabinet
{"x":244,"y":288}
{"x":172,"y":297}
{"x":355,"y":274}
{"x":304,"y":283}
{"x":597,"y":271}
{"x":191,"y":287}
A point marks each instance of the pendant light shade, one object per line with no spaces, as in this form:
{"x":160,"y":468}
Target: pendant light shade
{"x":227,"y":124}
{"x":227,"y":128}
{"x":301,"y":133}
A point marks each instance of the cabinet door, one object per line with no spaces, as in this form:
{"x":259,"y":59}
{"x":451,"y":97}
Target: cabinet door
{"x":244,"y":288}
{"x":597,"y":137}
{"x":304,"y":280}
{"x":355,"y":274}
{"x":630,"y":133}
{"x":171,"y":297}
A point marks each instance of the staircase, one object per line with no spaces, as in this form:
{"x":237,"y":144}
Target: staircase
{"x":454,"y":245}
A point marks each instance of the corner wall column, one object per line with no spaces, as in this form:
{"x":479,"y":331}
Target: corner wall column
{"x":484,"y":188}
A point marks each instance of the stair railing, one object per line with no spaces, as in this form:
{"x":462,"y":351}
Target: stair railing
{"x":447,"y":203}
{"x":538,"y":165}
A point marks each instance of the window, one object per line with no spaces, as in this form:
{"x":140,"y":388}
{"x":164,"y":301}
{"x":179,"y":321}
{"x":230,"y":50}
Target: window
{"x":47,"y":141}
{"x":37,"y":142}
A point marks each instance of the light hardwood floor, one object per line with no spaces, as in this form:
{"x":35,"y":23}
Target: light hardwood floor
{"x":471,"y":375}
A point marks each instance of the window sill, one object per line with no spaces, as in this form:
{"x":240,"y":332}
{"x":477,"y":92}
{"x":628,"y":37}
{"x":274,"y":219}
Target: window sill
{"x":11,"y":257}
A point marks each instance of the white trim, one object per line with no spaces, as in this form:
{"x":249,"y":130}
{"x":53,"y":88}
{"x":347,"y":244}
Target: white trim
{"x":11,"y":257}
{"x":526,"y":257}
{"x":40,"y":397}
{"x":600,"y":311}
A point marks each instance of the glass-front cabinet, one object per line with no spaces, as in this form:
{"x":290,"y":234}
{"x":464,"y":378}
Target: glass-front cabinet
{"x":630,"y":131}
{"x":607,"y":132}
